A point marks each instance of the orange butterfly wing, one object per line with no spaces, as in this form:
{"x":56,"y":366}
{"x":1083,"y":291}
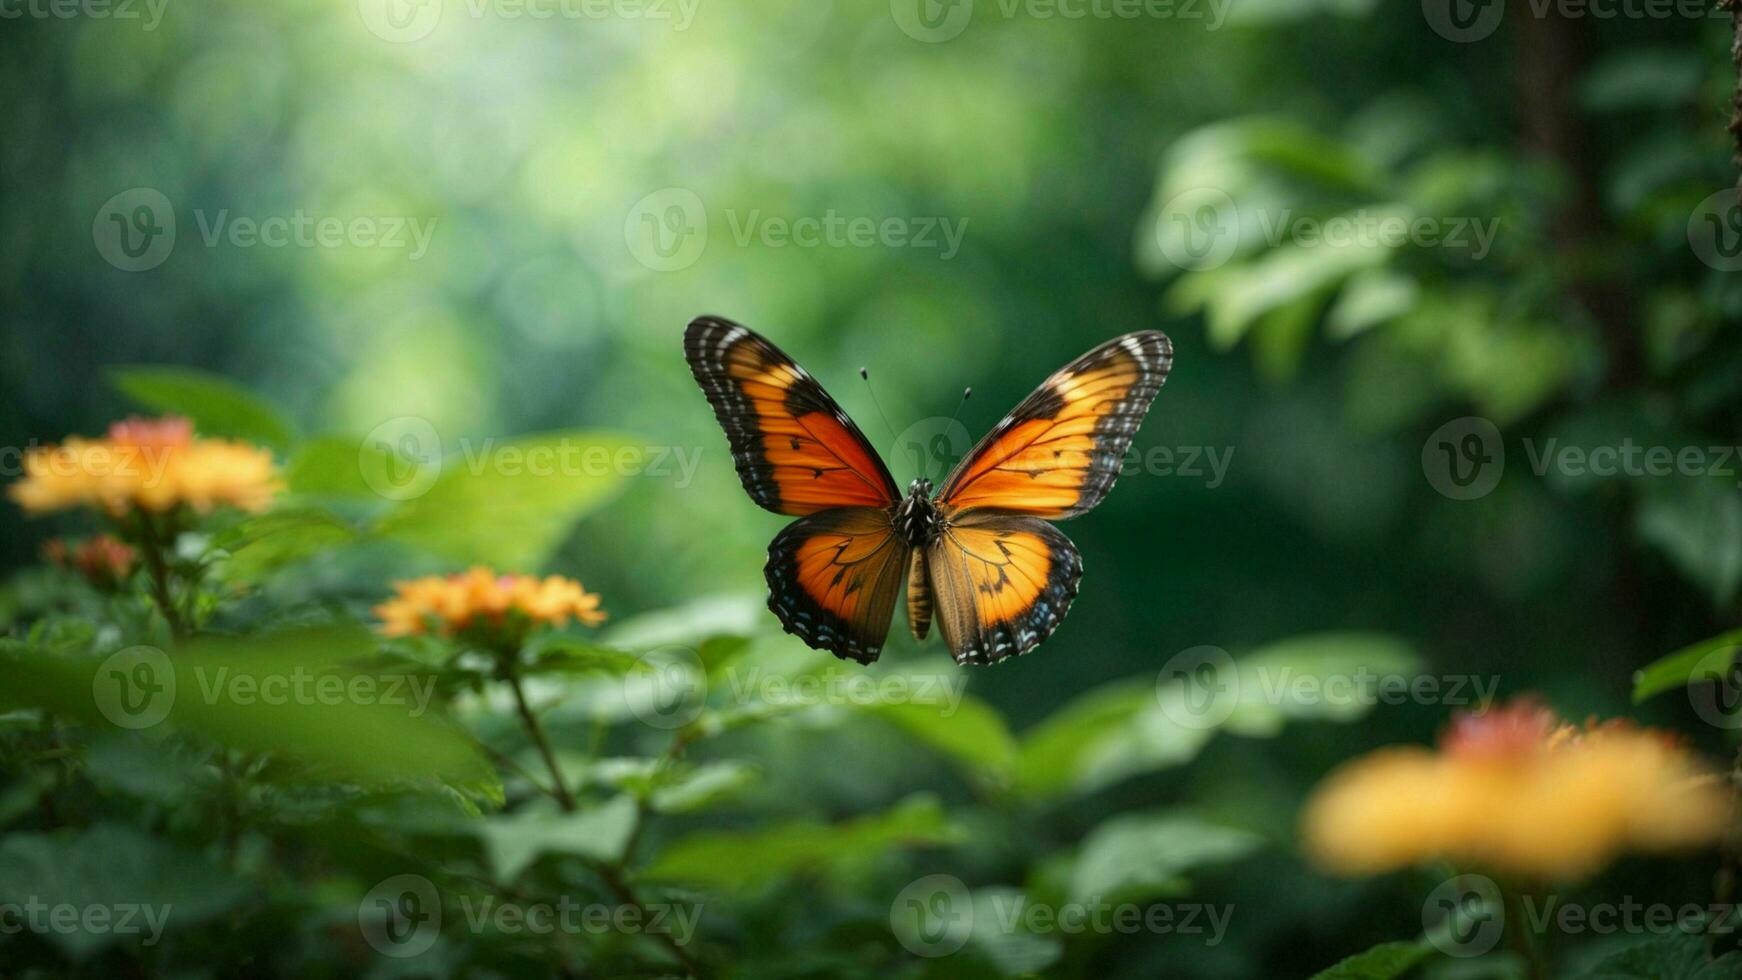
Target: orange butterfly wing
{"x":1002,"y":583}
{"x":1003,"y":579}
{"x":1059,"y":452}
{"x":833,"y":578}
{"x":796,"y":451}
{"x":833,"y":575}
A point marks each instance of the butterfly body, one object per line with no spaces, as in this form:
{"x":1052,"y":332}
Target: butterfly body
{"x":978,"y":556}
{"x":916,"y":518}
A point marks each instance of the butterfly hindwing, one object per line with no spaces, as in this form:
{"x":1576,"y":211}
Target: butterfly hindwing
{"x":1001,"y":583}
{"x":796,"y":452}
{"x":833,"y":577}
{"x":1059,"y":452}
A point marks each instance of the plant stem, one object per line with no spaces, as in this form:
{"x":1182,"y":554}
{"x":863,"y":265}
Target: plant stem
{"x":535,"y":731}
{"x":1519,"y":935}
{"x":612,"y":873}
{"x":157,"y":569}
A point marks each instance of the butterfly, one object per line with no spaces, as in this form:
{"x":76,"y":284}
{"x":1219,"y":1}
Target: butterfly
{"x":979,"y":552}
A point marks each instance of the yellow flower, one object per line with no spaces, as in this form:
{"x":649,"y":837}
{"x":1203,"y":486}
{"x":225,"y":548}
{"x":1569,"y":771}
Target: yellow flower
{"x":150,"y":464}
{"x":481,"y":598}
{"x":1513,"y":790}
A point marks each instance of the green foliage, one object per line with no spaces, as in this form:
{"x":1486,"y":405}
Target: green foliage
{"x":216,"y":405}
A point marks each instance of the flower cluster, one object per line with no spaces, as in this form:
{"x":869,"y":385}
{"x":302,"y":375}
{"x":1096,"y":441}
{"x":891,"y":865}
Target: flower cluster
{"x":104,"y":560}
{"x":482,"y":599}
{"x":1515,"y":790}
{"x":152,"y":465}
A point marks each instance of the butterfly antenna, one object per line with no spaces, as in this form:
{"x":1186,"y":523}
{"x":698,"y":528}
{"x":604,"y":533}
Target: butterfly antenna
{"x":865,"y":376}
{"x":966,"y":394}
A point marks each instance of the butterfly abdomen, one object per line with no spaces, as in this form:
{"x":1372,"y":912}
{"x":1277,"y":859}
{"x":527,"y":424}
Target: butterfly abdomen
{"x":919,"y":603}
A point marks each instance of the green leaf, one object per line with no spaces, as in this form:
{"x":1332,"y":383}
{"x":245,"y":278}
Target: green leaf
{"x":1385,"y":961}
{"x":339,"y":466}
{"x":134,"y":881}
{"x":692,"y":623}
{"x":289,"y":692}
{"x":1698,"y":524}
{"x":1673,"y":957}
{"x":1103,"y":736}
{"x":568,"y":655}
{"x":263,"y":544}
{"x":598,"y":833}
{"x":1317,"y":677}
{"x":748,"y":859}
{"x":1685,"y":666}
{"x":701,"y":786}
{"x":1138,"y":857}
{"x":509,"y":505}
{"x":969,"y":731}
{"x":216,"y":405}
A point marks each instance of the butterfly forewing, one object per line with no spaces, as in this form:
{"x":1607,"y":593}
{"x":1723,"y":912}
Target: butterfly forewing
{"x":1058,"y":453}
{"x":795,"y":450}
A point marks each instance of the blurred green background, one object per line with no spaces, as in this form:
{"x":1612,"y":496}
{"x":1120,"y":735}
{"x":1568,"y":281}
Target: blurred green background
{"x":564,"y":168}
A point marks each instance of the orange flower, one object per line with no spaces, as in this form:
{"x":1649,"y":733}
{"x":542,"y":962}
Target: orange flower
{"x":1514,"y":790}
{"x":481,"y":598}
{"x":149,"y":464}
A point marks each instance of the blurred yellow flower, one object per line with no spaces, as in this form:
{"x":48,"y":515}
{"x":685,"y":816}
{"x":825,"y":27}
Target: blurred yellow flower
{"x":1514,"y":790}
{"x":149,"y":464}
{"x":480,"y":597}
